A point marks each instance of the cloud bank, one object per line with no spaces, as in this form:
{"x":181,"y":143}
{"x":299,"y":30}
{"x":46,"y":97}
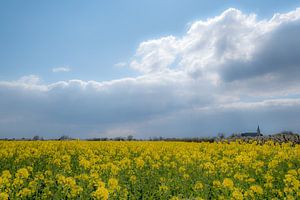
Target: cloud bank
{"x":225,"y":74}
{"x":61,"y":69}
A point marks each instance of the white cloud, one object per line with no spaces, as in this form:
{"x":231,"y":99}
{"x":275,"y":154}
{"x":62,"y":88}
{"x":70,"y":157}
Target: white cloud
{"x":30,"y":80}
{"x":225,"y":74}
{"x":230,"y":47}
{"x":155,"y":55}
{"x":83,"y":107}
{"x":120,"y":64}
{"x":61,"y":69}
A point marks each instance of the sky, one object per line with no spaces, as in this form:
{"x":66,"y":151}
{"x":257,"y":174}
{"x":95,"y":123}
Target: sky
{"x":148,"y":68}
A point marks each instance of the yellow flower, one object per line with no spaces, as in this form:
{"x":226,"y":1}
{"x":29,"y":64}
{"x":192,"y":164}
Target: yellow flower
{"x":75,"y":191}
{"x":250,"y":180}
{"x":3,"y":196}
{"x":240,"y":176}
{"x":18,"y":182}
{"x":60,"y":178}
{"x":181,"y":169}
{"x":67,"y":168}
{"x":217,"y":184}
{"x":290,"y":197}
{"x":113,"y":184}
{"x":186,"y":176}
{"x":22,"y":173}
{"x":249,"y":193}
{"x":133,"y":178}
{"x":25,"y":192}
{"x":268,"y":185}
{"x":288,"y":190}
{"x":70,"y":182}
{"x":6,"y":174}
{"x":99,"y":183}
{"x":125,"y":193}
{"x":292,"y":172}
{"x":114,"y":169}
{"x":269,"y":178}
{"x":198,"y":186}
{"x":30,"y":168}
{"x":257,"y":189}
{"x":48,"y":173}
{"x":236,"y":194}
{"x":4,"y":181}
{"x":163,"y":188}
{"x":139,"y":162}
{"x":84,"y":163}
{"x":228,"y":183}
{"x":101,"y":193}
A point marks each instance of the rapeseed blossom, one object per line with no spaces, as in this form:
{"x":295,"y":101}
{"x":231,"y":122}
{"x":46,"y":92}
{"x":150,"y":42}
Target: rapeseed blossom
{"x":22,"y":173}
{"x":101,"y":193}
{"x":148,"y":170}
{"x":228,"y":183}
{"x":113,"y":184}
{"x":198,"y":186}
{"x":257,"y":189}
{"x":238,"y":195}
{"x":3,"y":196}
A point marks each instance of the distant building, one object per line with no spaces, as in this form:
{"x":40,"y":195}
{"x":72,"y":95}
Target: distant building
{"x":252,"y":134}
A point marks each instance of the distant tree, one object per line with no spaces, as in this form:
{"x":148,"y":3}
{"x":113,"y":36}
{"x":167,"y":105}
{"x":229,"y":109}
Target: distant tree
{"x":287,"y":133}
{"x":118,"y":139}
{"x":221,"y":135}
{"x":36,"y":137}
{"x":130,"y":137}
{"x":65,"y":137}
{"x":234,"y":135}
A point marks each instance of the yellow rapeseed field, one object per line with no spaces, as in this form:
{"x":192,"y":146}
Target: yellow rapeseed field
{"x":148,"y":170}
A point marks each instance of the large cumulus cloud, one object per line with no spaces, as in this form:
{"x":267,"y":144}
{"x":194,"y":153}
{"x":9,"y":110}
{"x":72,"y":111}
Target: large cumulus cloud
{"x":226,"y":74}
{"x":227,"y":48}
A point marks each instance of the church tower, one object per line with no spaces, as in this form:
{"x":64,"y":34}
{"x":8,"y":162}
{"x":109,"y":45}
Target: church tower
{"x":258,"y":131}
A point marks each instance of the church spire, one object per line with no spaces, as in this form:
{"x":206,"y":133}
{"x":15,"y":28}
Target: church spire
{"x":258,"y":130}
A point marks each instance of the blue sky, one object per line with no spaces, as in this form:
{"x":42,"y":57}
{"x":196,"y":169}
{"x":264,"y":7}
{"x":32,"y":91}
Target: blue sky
{"x":90,"y":38}
{"x":148,"y":68}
